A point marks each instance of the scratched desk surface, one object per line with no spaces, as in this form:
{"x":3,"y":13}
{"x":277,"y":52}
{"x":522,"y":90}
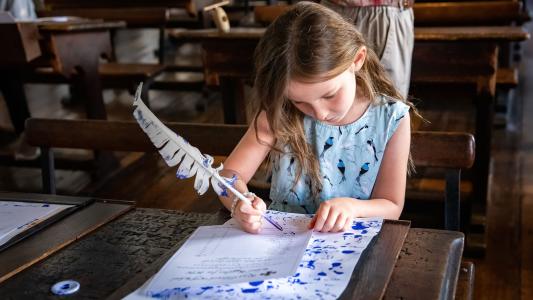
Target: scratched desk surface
{"x":106,"y":261}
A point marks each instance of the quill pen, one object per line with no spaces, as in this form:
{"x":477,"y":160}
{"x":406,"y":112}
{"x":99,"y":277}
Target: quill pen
{"x":176,"y":150}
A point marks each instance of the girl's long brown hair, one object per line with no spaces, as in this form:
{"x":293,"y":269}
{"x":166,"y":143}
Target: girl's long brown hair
{"x":310,"y":43}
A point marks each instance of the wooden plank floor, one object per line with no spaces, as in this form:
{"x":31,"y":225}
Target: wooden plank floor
{"x":506,"y":271}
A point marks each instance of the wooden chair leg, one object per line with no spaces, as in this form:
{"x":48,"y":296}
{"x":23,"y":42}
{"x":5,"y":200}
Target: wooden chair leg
{"x":452,"y":200}
{"x":48,"y":170}
{"x":465,"y":284}
{"x":13,"y":91}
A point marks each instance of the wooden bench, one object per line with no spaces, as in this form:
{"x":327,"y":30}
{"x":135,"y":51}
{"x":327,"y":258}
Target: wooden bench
{"x":112,"y":75}
{"x":451,"y":151}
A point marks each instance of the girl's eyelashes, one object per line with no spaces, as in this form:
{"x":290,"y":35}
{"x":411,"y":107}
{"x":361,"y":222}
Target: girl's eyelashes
{"x":330,"y":96}
{"x":295,"y":102}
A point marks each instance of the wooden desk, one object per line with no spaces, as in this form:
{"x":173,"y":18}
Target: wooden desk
{"x":71,"y":48}
{"x":105,"y":261}
{"x":57,"y":235}
{"x":230,"y":55}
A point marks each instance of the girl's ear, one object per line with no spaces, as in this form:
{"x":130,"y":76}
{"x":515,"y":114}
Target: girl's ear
{"x":360,"y":58}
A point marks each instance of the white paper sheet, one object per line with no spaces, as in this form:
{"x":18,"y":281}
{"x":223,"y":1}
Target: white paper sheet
{"x":216,"y":255}
{"x":323,"y":272}
{"x":16,"y":217}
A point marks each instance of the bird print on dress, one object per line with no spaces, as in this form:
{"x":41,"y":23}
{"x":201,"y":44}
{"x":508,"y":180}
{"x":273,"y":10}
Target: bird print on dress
{"x":328,"y":144}
{"x":364,"y":168}
{"x":361,"y":129}
{"x":289,"y":168}
{"x":292,"y":192}
{"x":328,"y":180}
{"x":349,"y":158}
{"x":399,"y":118}
{"x":342,"y":169}
{"x":372,"y":148}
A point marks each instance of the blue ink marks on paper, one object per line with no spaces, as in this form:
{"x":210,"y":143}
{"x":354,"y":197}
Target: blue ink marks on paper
{"x":359,"y":226}
{"x":322,"y":274}
{"x":204,"y":289}
{"x":347,"y":251}
{"x":250,"y":291}
{"x":255,"y":283}
{"x":310,"y":265}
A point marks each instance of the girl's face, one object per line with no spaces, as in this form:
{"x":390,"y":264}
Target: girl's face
{"x":331,"y":102}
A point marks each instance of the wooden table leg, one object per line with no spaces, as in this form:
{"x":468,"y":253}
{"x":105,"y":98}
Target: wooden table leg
{"x":12,"y":90}
{"x":232,"y":89}
{"x":90,"y":87}
{"x":82,"y":65}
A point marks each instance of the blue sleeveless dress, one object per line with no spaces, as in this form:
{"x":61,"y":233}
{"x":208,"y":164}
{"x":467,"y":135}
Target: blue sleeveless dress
{"x":349,"y":158}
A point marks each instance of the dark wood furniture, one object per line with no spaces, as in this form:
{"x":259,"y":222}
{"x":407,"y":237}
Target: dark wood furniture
{"x":159,"y":14}
{"x":58,"y":235}
{"x":465,"y":284}
{"x":439,"y":13}
{"x":451,"y":151}
{"x":233,"y":64}
{"x":140,"y":241}
{"x":71,"y":49}
{"x":461,"y":13}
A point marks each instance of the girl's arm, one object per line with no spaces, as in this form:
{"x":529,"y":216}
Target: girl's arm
{"x":388,"y":195}
{"x":249,"y":153}
{"x":243,"y":162}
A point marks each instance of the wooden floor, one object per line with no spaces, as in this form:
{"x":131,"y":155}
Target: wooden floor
{"x":504,"y":273}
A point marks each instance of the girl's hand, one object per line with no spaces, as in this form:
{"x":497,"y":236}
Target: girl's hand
{"x":334,"y":215}
{"x":249,"y":216}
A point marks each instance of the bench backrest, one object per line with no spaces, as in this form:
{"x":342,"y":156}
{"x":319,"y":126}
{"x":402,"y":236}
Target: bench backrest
{"x":71,"y":4}
{"x":136,"y":13}
{"x":429,"y":149}
{"x":453,"y":151}
{"x":439,"y":13}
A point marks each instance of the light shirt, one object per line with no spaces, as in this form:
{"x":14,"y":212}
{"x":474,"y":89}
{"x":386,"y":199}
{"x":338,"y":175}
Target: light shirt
{"x":349,"y":158}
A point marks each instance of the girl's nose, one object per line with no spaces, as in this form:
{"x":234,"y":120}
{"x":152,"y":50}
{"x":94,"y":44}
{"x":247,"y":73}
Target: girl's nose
{"x":320,"y":114}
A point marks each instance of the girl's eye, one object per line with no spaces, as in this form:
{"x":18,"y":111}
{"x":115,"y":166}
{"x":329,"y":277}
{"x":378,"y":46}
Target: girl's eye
{"x":330,"y":96}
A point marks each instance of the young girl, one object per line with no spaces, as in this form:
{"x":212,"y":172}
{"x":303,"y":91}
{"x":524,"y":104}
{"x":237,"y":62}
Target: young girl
{"x":337,"y":131}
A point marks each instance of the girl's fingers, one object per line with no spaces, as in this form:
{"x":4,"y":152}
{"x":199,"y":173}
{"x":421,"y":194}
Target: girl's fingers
{"x":330,"y":221}
{"x":321,"y":216}
{"x":248,"y":209}
{"x":259,"y":204}
{"x":347,"y":224}
{"x":249,"y":218}
{"x":339,"y":224}
{"x":254,"y":227}
{"x":312,"y":222}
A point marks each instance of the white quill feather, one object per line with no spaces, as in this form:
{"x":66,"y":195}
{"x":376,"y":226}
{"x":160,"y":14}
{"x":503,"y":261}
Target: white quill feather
{"x":176,"y":150}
